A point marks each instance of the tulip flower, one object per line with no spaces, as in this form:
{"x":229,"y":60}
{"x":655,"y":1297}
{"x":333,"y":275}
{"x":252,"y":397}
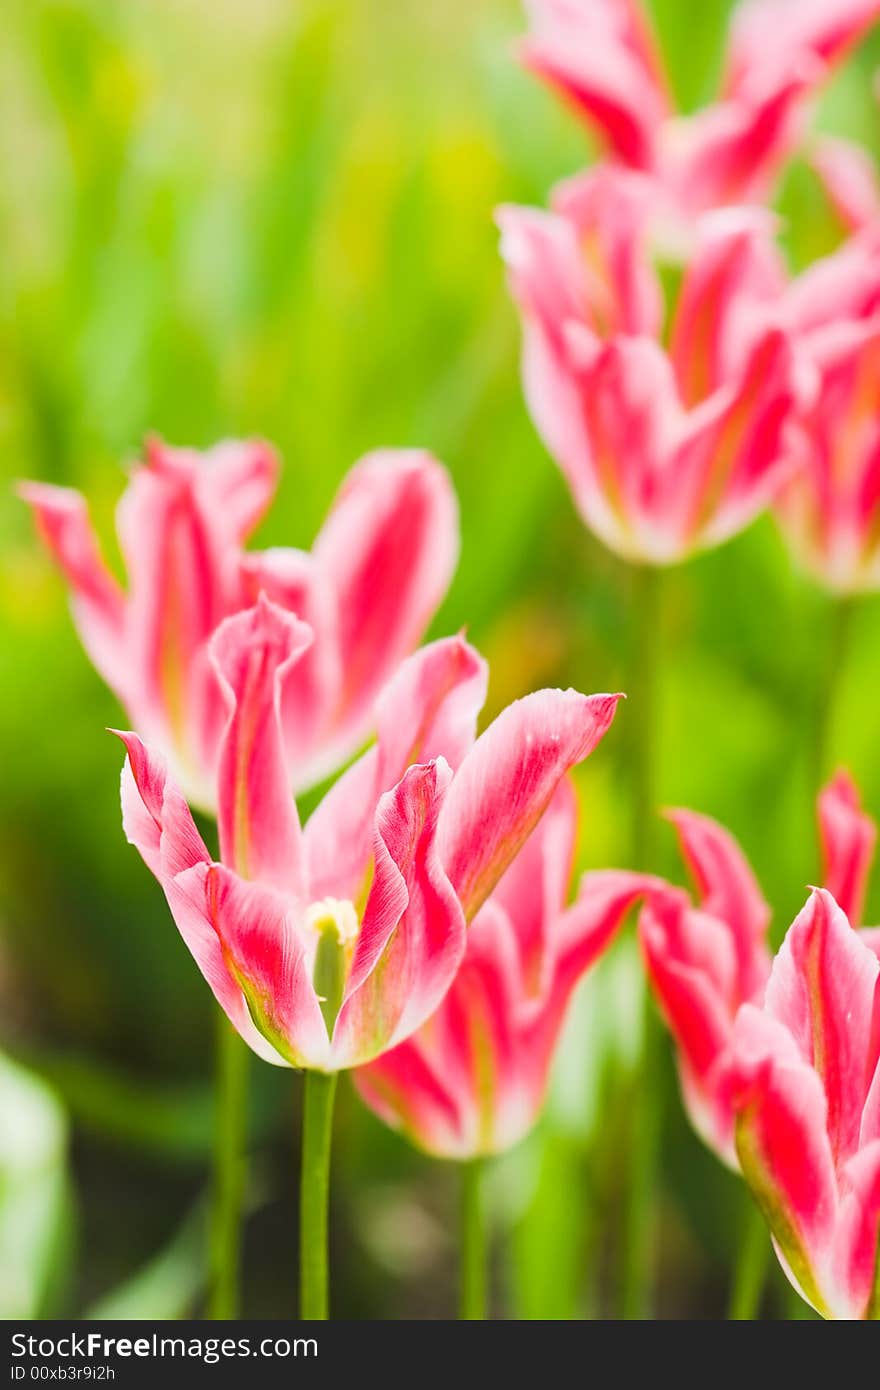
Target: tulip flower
{"x":601,"y":58}
{"x":367,"y":904}
{"x":377,"y":571}
{"x":804,"y":1082}
{"x":829,"y":509}
{"x":472,"y":1080}
{"x":705,"y":960}
{"x":330,"y":944}
{"x":669,"y":443}
{"x":667,"y":446}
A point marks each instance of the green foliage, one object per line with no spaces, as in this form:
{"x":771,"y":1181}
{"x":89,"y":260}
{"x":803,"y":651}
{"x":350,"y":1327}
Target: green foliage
{"x":35,"y":1211}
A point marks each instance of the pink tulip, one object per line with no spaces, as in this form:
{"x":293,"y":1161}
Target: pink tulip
{"x":373,"y":578}
{"x":472,"y":1080}
{"x":848,"y":838}
{"x":328,"y":945}
{"x":804,"y":1082}
{"x":830,"y":508}
{"x":601,"y":57}
{"x":706,"y":960}
{"x":666,"y":448}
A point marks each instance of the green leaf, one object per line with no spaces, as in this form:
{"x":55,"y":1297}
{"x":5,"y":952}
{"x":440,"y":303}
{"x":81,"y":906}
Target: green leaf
{"x":34,"y":1193}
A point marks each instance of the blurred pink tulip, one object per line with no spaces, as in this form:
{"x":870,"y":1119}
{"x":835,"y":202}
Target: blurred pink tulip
{"x":706,"y":960}
{"x":667,"y":447}
{"x":804,"y":1082}
{"x":330,"y":944}
{"x":472,"y":1080}
{"x":601,"y":57}
{"x":377,"y":571}
{"x":829,"y":510}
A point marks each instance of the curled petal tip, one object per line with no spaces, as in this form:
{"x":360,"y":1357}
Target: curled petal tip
{"x":265,"y":622}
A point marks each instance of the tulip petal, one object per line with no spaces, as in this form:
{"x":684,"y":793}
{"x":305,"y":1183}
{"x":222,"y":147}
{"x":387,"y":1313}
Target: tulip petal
{"x":857,"y":1245}
{"x":232,"y":483}
{"x":822,"y":988}
{"x":576,"y":938}
{"x":728,"y":890}
{"x":186,"y":896}
{"x":472,"y":1042}
{"x":848,"y":838}
{"x":691,"y":963}
{"x":293,"y":581}
{"x":266,"y":957}
{"x":412,"y":938}
{"x":844,"y":285}
{"x":476,"y":1032}
{"x":507,"y":781}
{"x":732,"y":275}
{"x":155,"y":816}
{"x":533,"y":890}
{"x":158,"y":823}
{"x":602,"y":59}
{"x":782,"y":1145}
{"x":763,"y":31}
{"x":410,"y":1094}
{"x":183,"y":581}
{"x":633,"y":419}
{"x":733,"y":456}
{"x":611,"y":210}
{"x":871,"y":938}
{"x":547,"y":281}
{"x":731,"y":151}
{"x":98,"y":603}
{"x":388,"y":550}
{"x":259,"y":828}
{"x":428,"y":710}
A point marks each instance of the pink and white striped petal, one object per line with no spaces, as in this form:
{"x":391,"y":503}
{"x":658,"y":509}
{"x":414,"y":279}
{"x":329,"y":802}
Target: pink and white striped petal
{"x":387,"y":551}
{"x":412,"y":937}
{"x":783,"y":1148}
{"x":99,"y":606}
{"x":848,"y":838}
{"x":259,"y":828}
{"x":428,"y":710}
{"x":508,"y":779}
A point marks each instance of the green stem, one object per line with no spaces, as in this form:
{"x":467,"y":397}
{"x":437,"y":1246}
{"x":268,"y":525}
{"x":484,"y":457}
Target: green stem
{"x":639,"y":1236}
{"x":840,"y":630}
{"x":314,"y":1191}
{"x":229,"y":1171}
{"x":750,"y":1272}
{"x":641,"y":712}
{"x":472,"y":1291}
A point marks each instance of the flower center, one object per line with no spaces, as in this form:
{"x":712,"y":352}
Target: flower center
{"x":335,"y":922}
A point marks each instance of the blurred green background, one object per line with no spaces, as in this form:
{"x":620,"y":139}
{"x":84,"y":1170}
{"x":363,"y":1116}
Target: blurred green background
{"x":274,"y":217}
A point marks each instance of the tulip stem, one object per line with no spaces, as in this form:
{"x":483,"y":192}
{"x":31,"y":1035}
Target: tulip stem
{"x":229,"y":1172}
{"x":314,"y":1191}
{"x":647,"y":607}
{"x":840,"y":628}
{"x":750,"y":1272}
{"x":472,"y":1289}
{"x":639,"y":1235}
